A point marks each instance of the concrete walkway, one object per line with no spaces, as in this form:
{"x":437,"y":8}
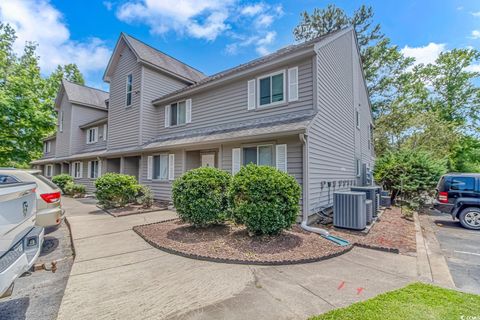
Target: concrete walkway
{"x":116,"y":275}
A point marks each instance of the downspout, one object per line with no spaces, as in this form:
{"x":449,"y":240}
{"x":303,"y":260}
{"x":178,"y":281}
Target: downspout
{"x":304,"y":225}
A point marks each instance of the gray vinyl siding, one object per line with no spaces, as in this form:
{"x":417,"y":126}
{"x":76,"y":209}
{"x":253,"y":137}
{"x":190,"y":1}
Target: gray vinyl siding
{"x":80,"y":116}
{"x":162,"y":190}
{"x":124,"y":122}
{"x":331,"y":135}
{"x":63,"y":138}
{"x":228,"y":103}
{"x":154,"y":85}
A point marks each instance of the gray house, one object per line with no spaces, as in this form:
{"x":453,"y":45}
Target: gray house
{"x":303,"y":109}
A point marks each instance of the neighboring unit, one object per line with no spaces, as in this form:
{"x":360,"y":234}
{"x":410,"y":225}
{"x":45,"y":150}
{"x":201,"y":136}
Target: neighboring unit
{"x":303,"y":109}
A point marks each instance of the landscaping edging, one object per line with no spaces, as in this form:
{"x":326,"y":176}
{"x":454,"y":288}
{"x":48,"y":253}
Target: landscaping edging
{"x":233,"y":261}
{"x":131,"y":213}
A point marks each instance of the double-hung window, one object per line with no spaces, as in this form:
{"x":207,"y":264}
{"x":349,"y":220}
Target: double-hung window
{"x":271,"y":89}
{"x":160,"y":167}
{"x":60,"y":121}
{"x":128,"y":98}
{"x":178,"y":113}
{"x":261,"y":155}
{"x":93,"y":169}
{"x":92,"y":135}
{"x":357,"y":119}
{"x":47,"y":146}
{"x":48,"y":170}
{"x":77,"y":170}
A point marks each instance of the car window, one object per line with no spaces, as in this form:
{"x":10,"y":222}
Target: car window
{"x":6,"y":179}
{"x":462,"y":184}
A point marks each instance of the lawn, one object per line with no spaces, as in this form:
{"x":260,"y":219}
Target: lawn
{"x":416,"y":301}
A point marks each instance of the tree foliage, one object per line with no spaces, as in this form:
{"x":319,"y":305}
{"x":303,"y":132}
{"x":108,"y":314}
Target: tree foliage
{"x":26,"y":100}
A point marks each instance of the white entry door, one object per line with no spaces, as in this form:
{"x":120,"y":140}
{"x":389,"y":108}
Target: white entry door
{"x":208,"y":160}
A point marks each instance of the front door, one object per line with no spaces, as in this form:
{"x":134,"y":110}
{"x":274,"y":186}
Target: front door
{"x":208,"y":160}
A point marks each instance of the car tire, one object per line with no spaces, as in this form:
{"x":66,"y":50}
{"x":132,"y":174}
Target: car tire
{"x":470,"y":218}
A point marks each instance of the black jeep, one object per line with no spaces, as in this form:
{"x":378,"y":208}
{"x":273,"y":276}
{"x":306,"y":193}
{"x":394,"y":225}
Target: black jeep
{"x":459,"y":195}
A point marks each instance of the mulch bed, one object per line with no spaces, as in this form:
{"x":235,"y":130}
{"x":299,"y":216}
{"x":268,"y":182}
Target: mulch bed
{"x":231,"y":244}
{"x":135,"y":209}
{"x":392,"y":232}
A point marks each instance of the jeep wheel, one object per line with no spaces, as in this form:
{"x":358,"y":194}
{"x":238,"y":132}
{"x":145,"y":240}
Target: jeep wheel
{"x":470,"y":218}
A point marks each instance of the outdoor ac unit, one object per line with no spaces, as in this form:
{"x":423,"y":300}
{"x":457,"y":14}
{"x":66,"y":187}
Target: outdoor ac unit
{"x":386,"y":201}
{"x":369,"y":209}
{"x":349,"y":210}
{"x":371,"y":193}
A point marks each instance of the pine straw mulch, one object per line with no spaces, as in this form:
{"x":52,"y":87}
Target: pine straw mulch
{"x":391,"y":232}
{"x":231,"y":244}
{"x":135,"y":209}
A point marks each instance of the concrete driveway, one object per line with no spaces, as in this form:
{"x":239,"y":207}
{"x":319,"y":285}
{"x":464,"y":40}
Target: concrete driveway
{"x":116,"y":275}
{"x":461,"y":248}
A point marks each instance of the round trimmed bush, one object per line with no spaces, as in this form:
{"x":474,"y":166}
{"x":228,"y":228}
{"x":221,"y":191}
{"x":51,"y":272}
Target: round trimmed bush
{"x":264,"y":199}
{"x":62,"y":180}
{"x":116,"y":189}
{"x":200,"y":196}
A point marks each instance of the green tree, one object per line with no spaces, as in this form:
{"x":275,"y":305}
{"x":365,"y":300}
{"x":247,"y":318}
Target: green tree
{"x":26,"y":100}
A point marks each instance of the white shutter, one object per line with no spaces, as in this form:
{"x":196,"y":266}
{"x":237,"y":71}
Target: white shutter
{"x":104,"y":132}
{"x":150,"y":167}
{"x":251,"y":94}
{"x":89,"y":169}
{"x":281,"y":157}
{"x":171,"y":166}
{"x":293,"y":84}
{"x":99,"y":173}
{"x":235,"y":160}
{"x":167,"y":116}
{"x":81,"y":169}
{"x":188,"y":106}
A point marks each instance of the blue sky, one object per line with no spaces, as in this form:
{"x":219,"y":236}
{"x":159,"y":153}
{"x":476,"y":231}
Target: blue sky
{"x":214,"y":35}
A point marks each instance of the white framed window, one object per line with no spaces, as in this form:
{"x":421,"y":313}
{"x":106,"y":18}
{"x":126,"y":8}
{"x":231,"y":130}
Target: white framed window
{"x":60,"y":121}
{"x":161,"y":167}
{"x":93,"y":169}
{"x":358,"y":168}
{"x":47,"y":145}
{"x":129,"y":89}
{"x":178,"y":113}
{"x":261,"y":155}
{"x":92,"y":135}
{"x":48,"y":170}
{"x":370,"y":136}
{"x":77,"y":170}
{"x":271,"y":89}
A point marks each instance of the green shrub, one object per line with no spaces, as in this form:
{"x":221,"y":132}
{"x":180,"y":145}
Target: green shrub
{"x":200,"y":196}
{"x":144,"y":196}
{"x":116,"y":190}
{"x":409,"y":173}
{"x":265,"y":199}
{"x":61,"y":180}
{"x":75,"y":190}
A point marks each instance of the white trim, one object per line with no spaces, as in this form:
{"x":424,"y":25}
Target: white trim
{"x":188,"y":111}
{"x":167,"y":116}
{"x":47,"y":147}
{"x":80,"y":171}
{"x":46,"y":170}
{"x":105,"y":132}
{"x":271,"y":104}
{"x":251,"y":94}
{"x":95,"y":140}
{"x":60,"y":124}
{"x":171,"y":167}
{"x":168,"y":120}
{"x":236,"y":160}
{"x":293,"y":85}
{"x":279,"y":154}
{"x":150,"y":167}
{"x":265,"y":145}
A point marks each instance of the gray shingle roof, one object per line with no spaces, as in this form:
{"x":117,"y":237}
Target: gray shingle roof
{"x":162,"y":60}
{"x":93,"y":122}
{"x":277,"y":54}
{"x":84,"y":95}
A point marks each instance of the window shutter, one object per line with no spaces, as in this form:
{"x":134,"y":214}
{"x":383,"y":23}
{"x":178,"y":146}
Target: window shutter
{"x":293,"y":84}
{"x":99,"y":173}
{"x":188,"y":106}
{"x":81,"y":169}
{"x":150,"y":167}
{"x":235,"y":160}
{"x":104,"y":132}
{"x":251,"y":94}
{"x":171,"y":167}
{"x":89,"y":169}
{"x":167,"y":116}
{"x":281,"y":157}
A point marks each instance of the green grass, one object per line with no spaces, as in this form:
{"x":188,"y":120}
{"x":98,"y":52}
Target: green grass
{"x":416,"y":301}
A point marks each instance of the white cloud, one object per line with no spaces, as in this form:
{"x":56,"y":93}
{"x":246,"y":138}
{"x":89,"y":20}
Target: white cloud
{"x":204,"y":19}
{"x":40,"y":22}
{"x":426,"y":54}
{"x":252,"y":10}
{"x":473,"y":68}
{"x":475,"y":14}
{"x":108,"y":5}
{"x":475,"y":34}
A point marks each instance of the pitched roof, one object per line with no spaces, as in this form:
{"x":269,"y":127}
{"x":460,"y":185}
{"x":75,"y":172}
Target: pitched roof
{"x":84,"y":95}
{"x":94,"y":122}
{"x":277,"y":54}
